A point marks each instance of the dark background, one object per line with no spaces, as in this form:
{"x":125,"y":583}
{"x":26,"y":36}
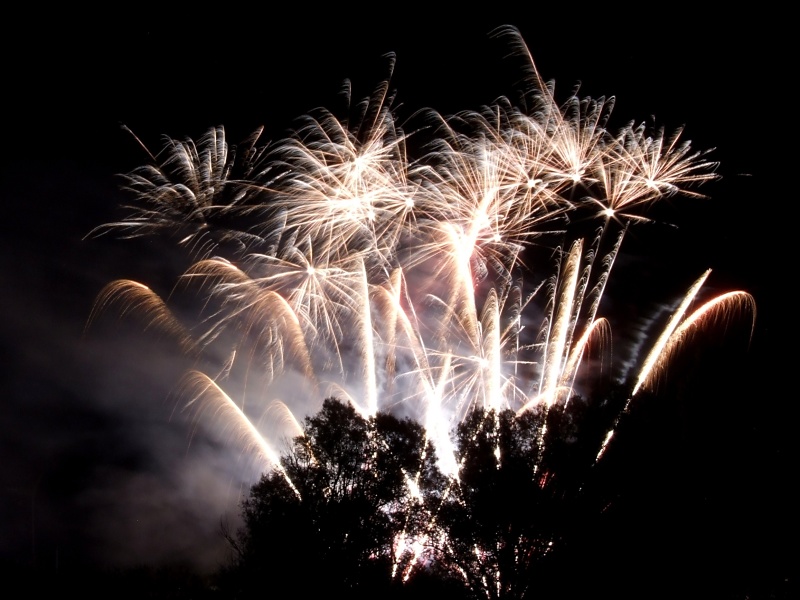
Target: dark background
{"x":94,"y":466}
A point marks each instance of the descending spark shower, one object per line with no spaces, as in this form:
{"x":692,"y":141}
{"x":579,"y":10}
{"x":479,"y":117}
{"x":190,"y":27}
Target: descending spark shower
{"x":334,"y":264}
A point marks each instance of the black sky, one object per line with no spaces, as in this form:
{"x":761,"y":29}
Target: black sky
{"x":93,"y":470}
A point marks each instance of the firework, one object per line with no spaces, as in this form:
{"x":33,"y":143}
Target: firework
{"x":411,"y":284}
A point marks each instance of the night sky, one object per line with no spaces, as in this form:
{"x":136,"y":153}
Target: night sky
{"x":96,"y":464}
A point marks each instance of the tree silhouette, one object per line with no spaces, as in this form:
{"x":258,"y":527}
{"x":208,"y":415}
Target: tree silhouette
{"x":518,"y":500}
{"x":359,"y":506}
{"x":330,"y":518}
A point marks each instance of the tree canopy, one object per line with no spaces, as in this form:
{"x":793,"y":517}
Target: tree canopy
{"x":359,"y":505}
{"x":334,"y":514}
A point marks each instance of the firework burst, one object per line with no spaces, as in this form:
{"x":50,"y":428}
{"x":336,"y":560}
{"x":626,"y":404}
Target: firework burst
{"x":412,"y":284}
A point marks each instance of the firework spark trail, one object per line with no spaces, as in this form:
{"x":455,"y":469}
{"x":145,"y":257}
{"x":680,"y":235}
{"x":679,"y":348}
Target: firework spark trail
{"x":398,"y":283}
{"x":204,"y":392}
{"x":721,"y":308}
{"x":136,"y":298}
{"x":655,"y":354}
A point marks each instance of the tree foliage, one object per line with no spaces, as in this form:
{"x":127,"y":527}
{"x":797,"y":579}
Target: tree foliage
{"x":360,"y":507}
{"x":330,"y":518}
{"x":519,"y":496}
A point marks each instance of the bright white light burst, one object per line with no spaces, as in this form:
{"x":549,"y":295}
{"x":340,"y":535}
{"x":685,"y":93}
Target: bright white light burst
{"x":417,"y":285}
